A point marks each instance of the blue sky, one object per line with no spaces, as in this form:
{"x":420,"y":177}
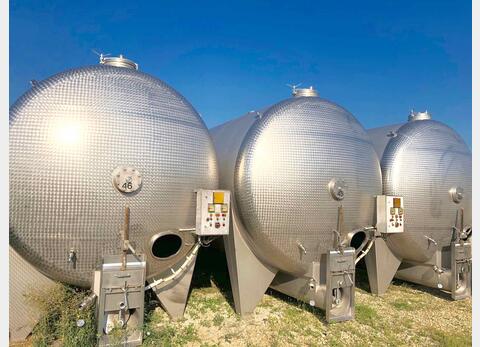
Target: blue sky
{"x":376,"y":58}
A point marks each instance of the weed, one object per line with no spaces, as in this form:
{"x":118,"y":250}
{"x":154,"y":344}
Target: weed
{"x":208,"y":303}
{"x":59,"y":315}
{"x":169,"y":336}
{"x":218,"y":320}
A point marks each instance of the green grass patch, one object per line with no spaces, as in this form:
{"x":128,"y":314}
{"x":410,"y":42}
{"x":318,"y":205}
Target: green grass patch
{"x":59,"y":309}
{"x":207,"y":303}
{"x":403,"y":305}
{"x":170,"y":336}
{"x":365,"y":314}
{"x":449,"y":339}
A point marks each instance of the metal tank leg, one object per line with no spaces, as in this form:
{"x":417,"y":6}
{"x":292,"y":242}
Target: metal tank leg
{"x":457,"y":279}
{"x":381,"y":265}
{"x":330,"y":287}
{"x":173,"y":295}
{"x":249,"y":277}
{"x":461,"y":259}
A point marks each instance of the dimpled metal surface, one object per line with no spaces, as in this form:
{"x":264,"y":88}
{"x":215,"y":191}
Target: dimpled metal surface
{"x":68,"y":134}
{"x":282,"y":170}
{"x":422,"y":163}
{"x":381,"y":136}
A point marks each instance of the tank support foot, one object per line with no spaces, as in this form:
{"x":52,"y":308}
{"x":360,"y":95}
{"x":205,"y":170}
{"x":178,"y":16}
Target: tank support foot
{"x":381,"y":265}
{"x":330,"y":285}
{"x":249,"y":277}
{"x":461,"y":258}
{"x":173,"y":295}
{"x":340,"y":288}
{"x":457,"y":280}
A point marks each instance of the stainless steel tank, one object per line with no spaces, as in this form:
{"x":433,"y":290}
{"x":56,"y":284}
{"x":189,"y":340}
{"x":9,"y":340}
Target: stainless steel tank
{"x":73,"y":137}
{"x":290,"y":167}
{"x":430,"y":166}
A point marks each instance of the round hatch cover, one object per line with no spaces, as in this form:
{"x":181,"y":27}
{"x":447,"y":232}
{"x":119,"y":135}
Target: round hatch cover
{"x":337,"y":188}
{"x":127,"y":179}
{"x":457,"y":194}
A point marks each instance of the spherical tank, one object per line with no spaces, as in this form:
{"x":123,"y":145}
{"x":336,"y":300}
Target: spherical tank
{"x":290,"y":168}
{"x":88,"y":142}
{"x":430,"y":166}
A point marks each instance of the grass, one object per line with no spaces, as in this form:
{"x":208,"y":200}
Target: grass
{"x":59,"y":318}
{"x":365,"y":314}
{"x":403,"y":305}
{"x":407,"y":315}
{"x":450,"y":340}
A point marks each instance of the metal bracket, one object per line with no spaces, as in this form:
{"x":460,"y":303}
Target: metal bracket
{"x":340,"y":286}
{"x":461,"y":258}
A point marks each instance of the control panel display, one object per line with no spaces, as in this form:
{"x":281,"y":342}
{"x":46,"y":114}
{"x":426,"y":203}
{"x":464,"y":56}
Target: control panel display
{"x":213,"y":212}
{"x":390,"y":214}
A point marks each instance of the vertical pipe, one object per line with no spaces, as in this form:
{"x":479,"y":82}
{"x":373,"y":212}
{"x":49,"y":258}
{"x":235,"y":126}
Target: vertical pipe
{"x":125,"y":236}
{"x":340,"y":237}
{"x":461,"y":220}
{"x":340,"y":221}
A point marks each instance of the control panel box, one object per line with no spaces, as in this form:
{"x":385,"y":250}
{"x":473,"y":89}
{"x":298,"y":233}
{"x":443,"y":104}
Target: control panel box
{"x":390,"y":214}
{"x":213,"y":212}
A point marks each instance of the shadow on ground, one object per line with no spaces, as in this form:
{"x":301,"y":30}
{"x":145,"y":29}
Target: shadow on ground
{"x":211,"y":267}
{"x":361,"y":282}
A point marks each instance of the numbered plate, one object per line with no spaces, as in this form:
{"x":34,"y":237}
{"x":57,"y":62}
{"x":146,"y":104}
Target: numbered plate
{"x":126,"y":179}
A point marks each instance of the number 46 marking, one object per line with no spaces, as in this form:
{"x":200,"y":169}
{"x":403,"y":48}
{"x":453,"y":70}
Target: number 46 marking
{"x":127,"y":185}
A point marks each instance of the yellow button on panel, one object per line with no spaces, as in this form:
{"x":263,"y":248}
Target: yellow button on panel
{"x":218,"y":197}
{"x":397,"y":202}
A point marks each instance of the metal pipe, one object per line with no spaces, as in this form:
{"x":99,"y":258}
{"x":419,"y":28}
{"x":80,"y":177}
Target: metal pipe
{"x":125,"y":237}
{"x":364,"y":252}
{"x":461,"y":219}
{"x":177,"y":272}
{"x":88,"y":301}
